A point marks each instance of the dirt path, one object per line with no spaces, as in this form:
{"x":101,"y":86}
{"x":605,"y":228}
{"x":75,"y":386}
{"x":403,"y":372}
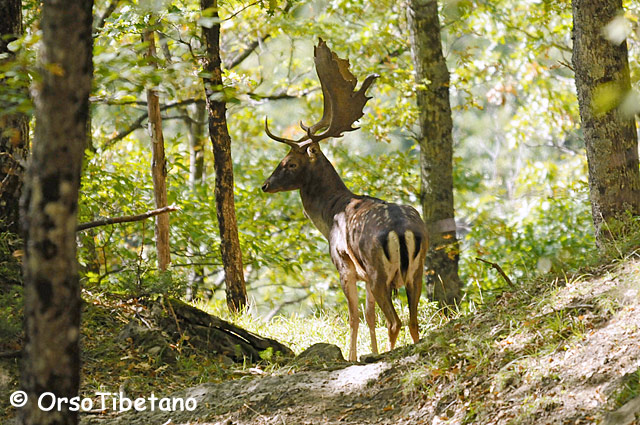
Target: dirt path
{"x":342,"y":396}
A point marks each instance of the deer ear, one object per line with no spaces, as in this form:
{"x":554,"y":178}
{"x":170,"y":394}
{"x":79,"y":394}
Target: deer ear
{"x":313,"y":152}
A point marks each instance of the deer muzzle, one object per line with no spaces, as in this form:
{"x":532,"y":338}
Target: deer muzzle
{"x":268,"y":187}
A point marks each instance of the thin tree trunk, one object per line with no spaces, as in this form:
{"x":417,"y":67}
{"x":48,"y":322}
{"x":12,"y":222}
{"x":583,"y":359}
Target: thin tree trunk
{"x":14,"y":129}
{"x":436,"y":149}
{"x":158,"y":163}
{"x":223,"y":166}
{"x":50,"y":202}
{"x":610,"y":136}
{"x":196,"y":181}
{"x":196,"y":144}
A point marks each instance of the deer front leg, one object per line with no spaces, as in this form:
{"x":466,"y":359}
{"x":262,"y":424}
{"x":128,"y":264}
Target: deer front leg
{"x":348,"y":277}
{"x":370,"y":316}
{"x":350,"y":289}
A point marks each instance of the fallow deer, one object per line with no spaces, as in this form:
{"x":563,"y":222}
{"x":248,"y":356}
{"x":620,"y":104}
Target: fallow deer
{"x":379,"y":242}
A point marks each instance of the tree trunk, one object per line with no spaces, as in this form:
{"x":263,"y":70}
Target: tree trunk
{"x":14,"y":129}
{"x":50,"y":202}
{"x":436,"y":149}
{"x":158,"y":163}
{"x":196,"y":181}
{"x":602,"y":68}
{"x":219,"y":134}
{"x":197,"y":115}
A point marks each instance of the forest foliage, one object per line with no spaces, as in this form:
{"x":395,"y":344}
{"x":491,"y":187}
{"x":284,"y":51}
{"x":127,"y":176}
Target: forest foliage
{"x":521,"y":189}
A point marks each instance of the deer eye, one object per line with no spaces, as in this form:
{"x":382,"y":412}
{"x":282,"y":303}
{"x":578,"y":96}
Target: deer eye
{"x":292,"y":165}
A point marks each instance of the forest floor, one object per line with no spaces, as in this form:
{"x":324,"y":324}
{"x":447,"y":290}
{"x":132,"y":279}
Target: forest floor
{"x":561,"y":351}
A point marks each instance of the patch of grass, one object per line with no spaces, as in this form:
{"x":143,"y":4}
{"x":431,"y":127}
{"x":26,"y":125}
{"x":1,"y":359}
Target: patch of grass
{"x":11,"y":340}
{"x":532,"y":406}
{"x":629,"y":389}
{"x":418,"y":382}
{"x":300,"y":331}
{"x":466,"y":360}
{"x":11,"y":312}
{"x":10,"y":253}
{"x":625,"y":232}
{"x":509,"y":376}
{"x":501,"y":347}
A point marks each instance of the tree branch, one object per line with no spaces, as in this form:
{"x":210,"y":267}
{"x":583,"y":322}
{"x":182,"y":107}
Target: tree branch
{"x":282,"y":95}
{"x":133,"y":127}
{"x":279,"y":307}
{"x":10,"y":354}
{"x":246,"y":52}
{"x":108,"y":12}
{"x":236,"y":13}
{"x":138,"y":122}
{"x":125,"y":219}
{"x":499,"y":270}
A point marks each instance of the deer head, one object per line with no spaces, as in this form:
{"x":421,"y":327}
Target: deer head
{"x":342,"y":107}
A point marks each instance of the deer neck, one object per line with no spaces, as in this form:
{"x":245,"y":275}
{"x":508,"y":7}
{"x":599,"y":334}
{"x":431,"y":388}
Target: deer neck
{"x":324,"y":195}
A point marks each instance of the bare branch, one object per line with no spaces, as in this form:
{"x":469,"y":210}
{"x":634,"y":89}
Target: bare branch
{"x":11,"y":354}
{"x":236,"y":13}
{"x":246,"y":52}
{"x":133,"y":127}
{"x":279,"y":307}
{"x":111,"y":102}
{"x":282,"y":95}
{"x":499,"y":270}
{"x":108,"y":12}
{"x":196,"y":264}
{"x":138,"y":122}
{"x":125,"y":219}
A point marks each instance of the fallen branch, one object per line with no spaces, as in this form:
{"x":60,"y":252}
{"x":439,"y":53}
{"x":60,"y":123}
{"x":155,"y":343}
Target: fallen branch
{"x":499,"y":270}
{"x":125,"y":219}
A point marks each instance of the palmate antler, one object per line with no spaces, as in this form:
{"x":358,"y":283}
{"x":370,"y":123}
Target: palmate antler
{"x":342,"y":105}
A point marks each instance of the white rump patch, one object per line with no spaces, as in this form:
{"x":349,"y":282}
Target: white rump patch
{"x":410,"y":240}
{"x":392,"y":264}
{"x":412,"y":267}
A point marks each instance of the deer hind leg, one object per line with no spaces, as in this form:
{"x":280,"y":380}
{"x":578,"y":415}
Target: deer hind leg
{"x":382,"y":293}
{"x":370,"y":316}
{"x":394,"y":323}
{"x":414,"y":290}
